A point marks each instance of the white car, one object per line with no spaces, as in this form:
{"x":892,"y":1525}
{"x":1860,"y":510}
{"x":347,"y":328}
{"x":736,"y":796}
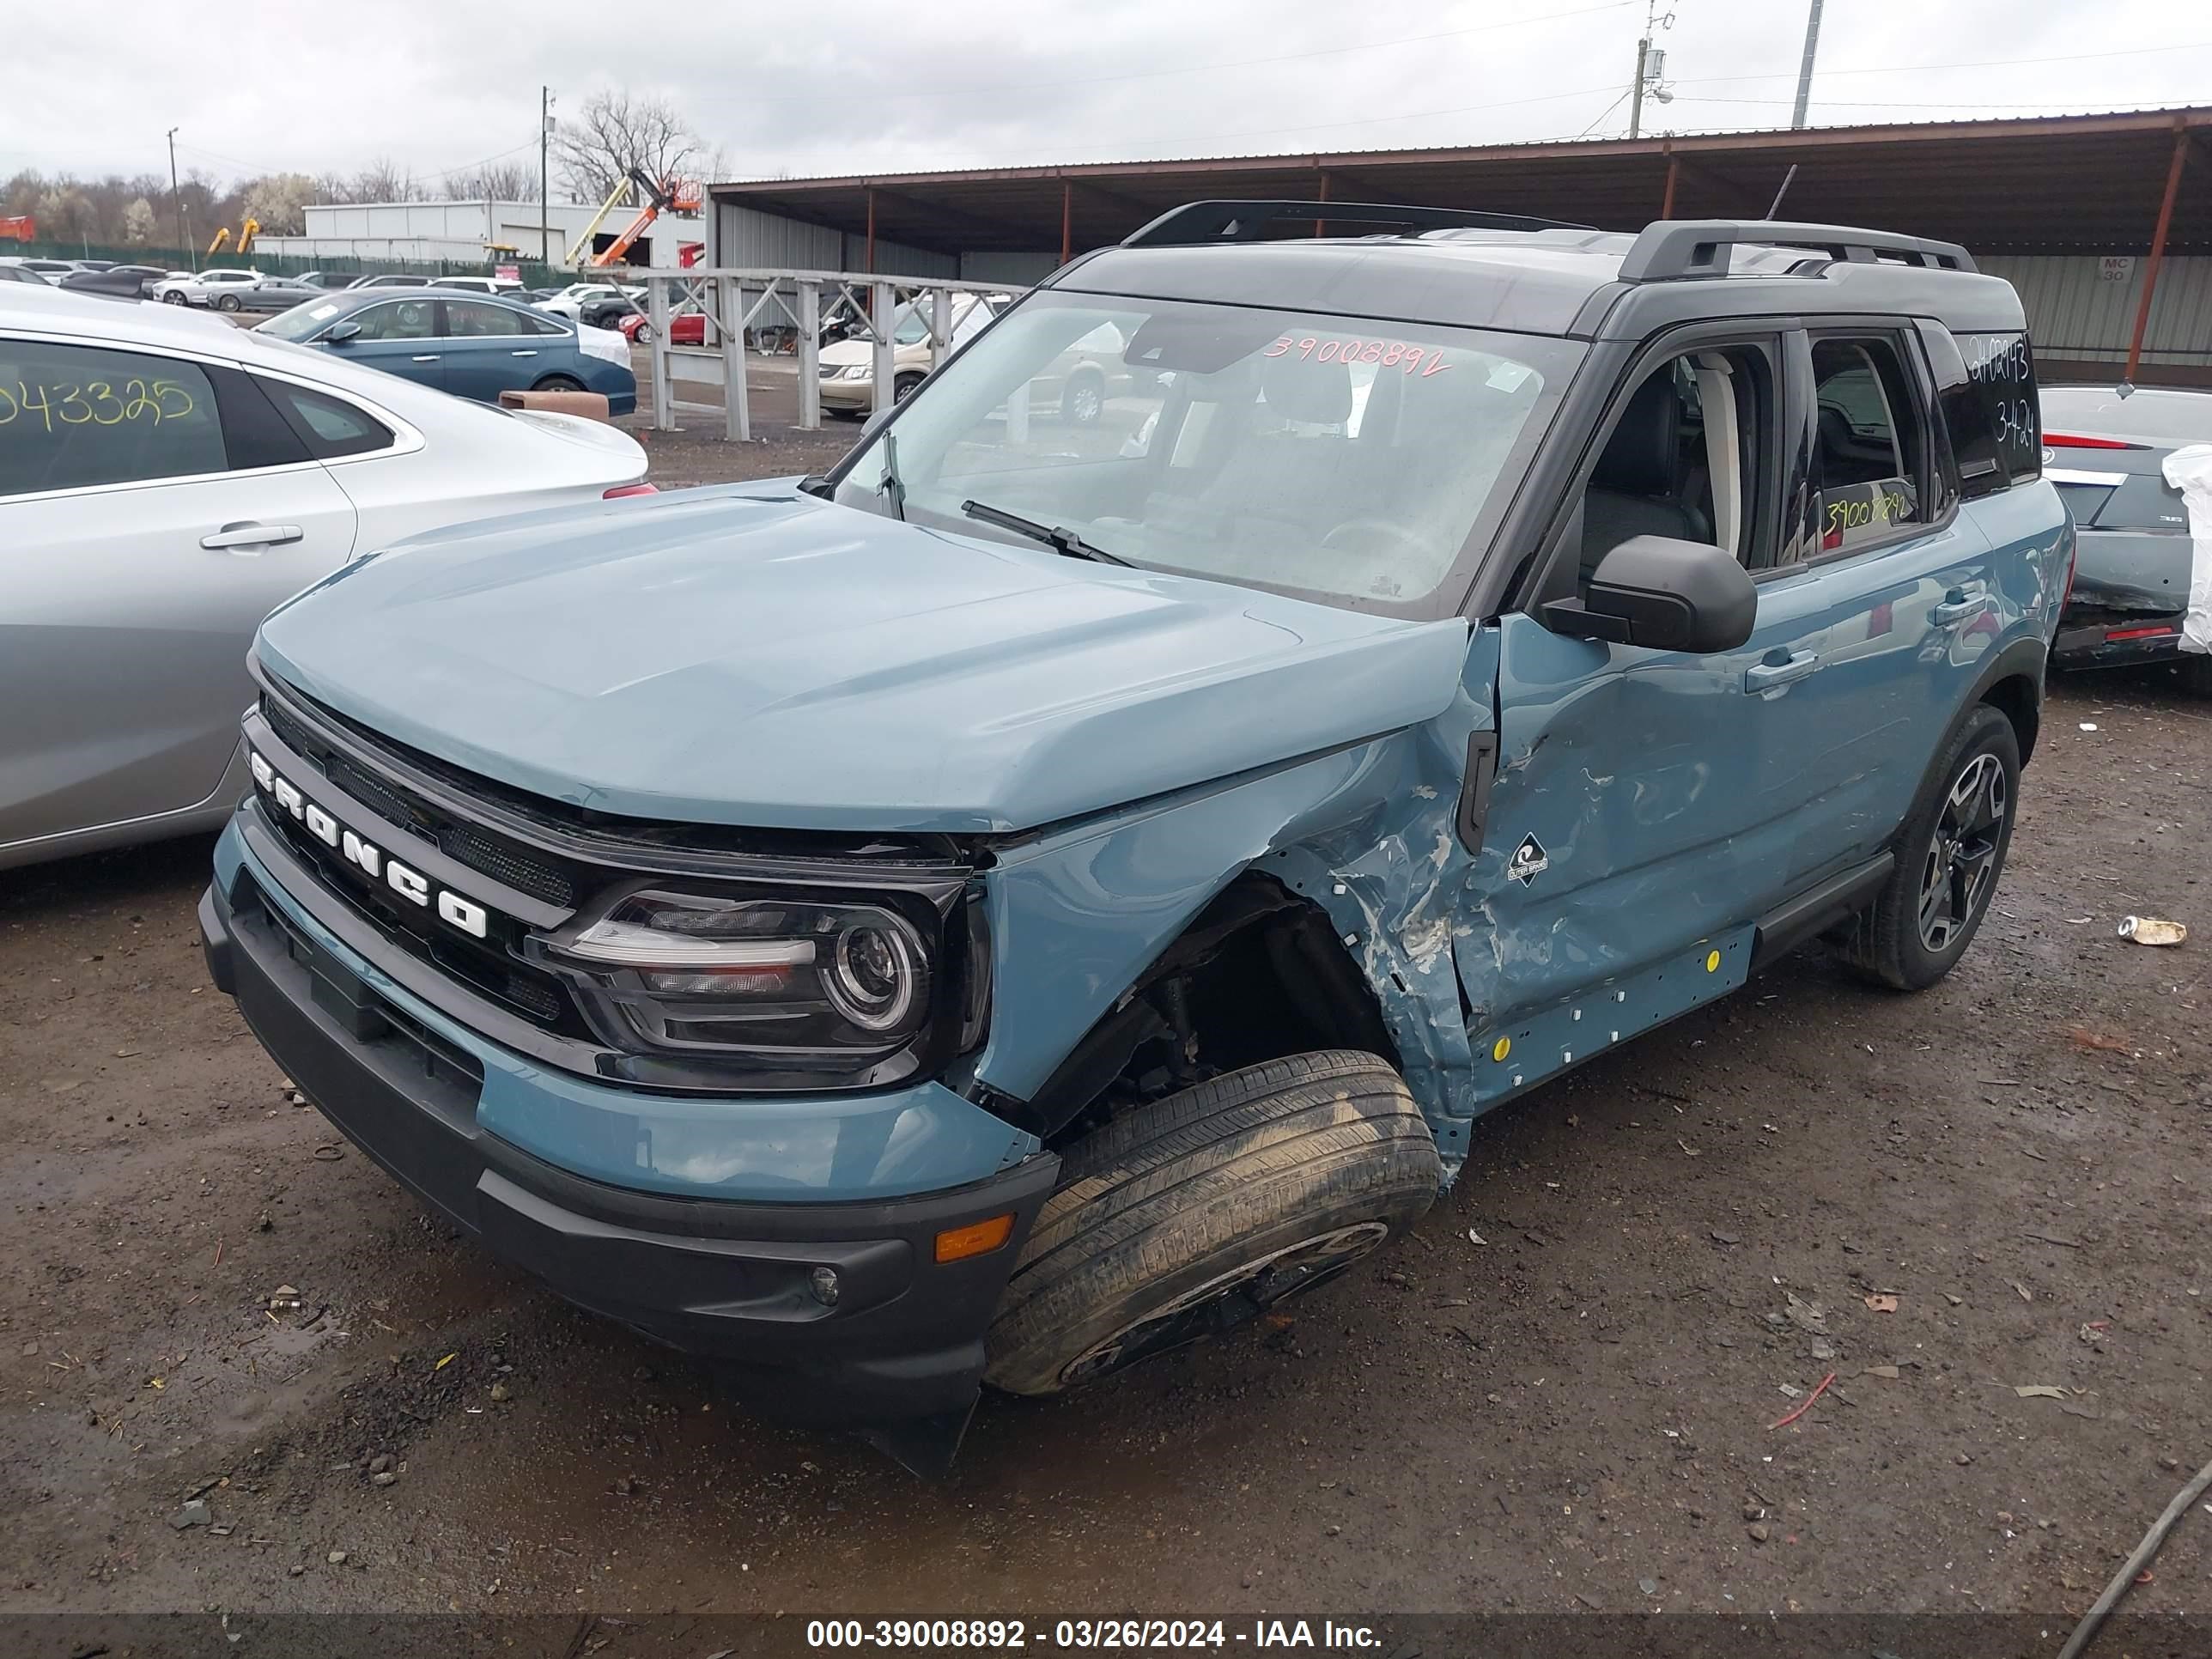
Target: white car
{"x":165,"y":483}
{"x":505,"y":287}
{"x":202,"y":288}
{"x":570,"y":301}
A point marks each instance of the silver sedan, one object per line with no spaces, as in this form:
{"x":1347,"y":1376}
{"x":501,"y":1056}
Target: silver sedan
{"x":165,"y":483}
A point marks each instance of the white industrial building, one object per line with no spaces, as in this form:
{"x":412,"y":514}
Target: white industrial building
{"x":473,"y":232}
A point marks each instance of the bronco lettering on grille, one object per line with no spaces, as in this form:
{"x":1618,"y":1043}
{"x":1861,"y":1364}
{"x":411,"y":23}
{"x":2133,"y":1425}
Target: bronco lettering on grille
{"x":453,"y":908}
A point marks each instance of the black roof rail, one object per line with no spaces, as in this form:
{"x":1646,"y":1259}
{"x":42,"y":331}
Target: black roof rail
{"x":1197,"y":223}
{"x":1675,"y":248}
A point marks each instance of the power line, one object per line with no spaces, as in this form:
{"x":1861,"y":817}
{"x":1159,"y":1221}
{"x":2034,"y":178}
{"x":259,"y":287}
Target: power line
{"x":1981,"y":63}
{"x":1192,"y":68}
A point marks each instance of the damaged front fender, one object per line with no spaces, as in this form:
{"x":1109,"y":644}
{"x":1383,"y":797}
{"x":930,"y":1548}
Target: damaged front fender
{"x":1368,"y":833}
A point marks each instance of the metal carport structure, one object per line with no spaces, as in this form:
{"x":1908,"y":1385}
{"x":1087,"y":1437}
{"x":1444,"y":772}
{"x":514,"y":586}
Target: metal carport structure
{"x":2103,"y":221}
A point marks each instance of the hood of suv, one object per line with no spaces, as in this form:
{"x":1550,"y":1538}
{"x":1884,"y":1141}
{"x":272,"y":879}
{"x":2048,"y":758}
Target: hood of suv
{"x":770,"y":660}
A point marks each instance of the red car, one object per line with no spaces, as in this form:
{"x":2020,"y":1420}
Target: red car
{"x":684,"y":328}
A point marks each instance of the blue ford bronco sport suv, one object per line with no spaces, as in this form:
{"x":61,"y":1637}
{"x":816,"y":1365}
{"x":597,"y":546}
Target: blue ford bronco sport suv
{"x":1050,"y":890}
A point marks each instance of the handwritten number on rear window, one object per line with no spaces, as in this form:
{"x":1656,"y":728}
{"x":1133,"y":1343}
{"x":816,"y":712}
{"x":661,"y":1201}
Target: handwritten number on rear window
{"x":140,"y":401}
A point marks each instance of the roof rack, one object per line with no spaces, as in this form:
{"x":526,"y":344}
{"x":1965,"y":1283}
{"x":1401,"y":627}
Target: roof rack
{"x":1198,"y":222}
{"x":1674,"y":249}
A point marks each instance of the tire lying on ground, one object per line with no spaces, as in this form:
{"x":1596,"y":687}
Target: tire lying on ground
{"x":1187,"y":1217}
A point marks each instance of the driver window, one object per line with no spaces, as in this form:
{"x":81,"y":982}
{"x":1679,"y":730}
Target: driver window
{"x":399,"y":319}
{"x":1692,"y":457}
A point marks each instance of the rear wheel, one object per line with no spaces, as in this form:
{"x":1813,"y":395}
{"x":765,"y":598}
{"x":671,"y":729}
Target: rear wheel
{"x":173,"y":298}
{"x":1193,"y":1215}
{"x":559,"y":383}
{"x":643,"y":335}
{"x":1950,"y":856}
{"x":227,"y":302}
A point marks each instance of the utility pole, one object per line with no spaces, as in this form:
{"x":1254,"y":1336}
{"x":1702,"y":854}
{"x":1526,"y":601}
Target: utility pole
{"x":177,"y":195}
{"x":1650,"y":67}
{"x":1805,"y":69}
{"x":544,"y":140}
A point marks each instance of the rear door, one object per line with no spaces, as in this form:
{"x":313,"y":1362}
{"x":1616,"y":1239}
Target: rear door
{"x":486,"y":349}
{"x":152,"y":509}
{"x":1912,"y":602}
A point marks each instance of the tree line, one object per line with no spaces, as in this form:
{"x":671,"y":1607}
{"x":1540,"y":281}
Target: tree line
{"x":591,"y":153}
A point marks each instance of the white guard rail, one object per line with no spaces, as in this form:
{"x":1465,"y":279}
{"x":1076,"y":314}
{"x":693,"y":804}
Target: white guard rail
{"x":775,"y":312}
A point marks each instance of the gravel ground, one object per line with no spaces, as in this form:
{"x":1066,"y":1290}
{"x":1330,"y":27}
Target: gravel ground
{"x":1556,"y":1394}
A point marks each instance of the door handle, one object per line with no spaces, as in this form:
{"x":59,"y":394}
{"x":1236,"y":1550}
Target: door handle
{"x":249,"y":537}
{"x":1780,"y":668}
{"x":522,"y":353}
{"x":432,"y":358}
{"x":1960,"y":604}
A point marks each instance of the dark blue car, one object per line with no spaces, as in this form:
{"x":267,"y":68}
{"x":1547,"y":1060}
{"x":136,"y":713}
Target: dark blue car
{"x":470,"y":344}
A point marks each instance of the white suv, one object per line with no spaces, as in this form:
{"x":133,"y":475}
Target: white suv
{"x":206,"y":289}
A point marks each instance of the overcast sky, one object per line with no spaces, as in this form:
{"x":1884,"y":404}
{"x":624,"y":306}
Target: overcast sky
{"x":859,"y":87}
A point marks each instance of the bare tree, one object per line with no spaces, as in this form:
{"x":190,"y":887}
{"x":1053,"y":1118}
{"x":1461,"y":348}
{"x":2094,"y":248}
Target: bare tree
{"x":386,"y":180}
{"x":616,"y":131}
{"x":494,"y":181}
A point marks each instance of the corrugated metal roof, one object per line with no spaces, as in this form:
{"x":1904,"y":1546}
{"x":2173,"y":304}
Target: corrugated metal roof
{"x":2073,"y":182}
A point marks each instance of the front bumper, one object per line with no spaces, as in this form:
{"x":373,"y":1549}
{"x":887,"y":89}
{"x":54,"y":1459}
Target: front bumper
{"x":729,"y":1281}
{"x":848,"y":394}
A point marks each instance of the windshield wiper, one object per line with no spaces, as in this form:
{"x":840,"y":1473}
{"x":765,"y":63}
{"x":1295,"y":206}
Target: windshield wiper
{"x":893,"y":491}
{"x":1062,"y":541}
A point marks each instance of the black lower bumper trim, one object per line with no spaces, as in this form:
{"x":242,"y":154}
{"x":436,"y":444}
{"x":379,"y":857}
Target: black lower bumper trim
{"x":731,"y":1282}
{"x":2091,"y":645}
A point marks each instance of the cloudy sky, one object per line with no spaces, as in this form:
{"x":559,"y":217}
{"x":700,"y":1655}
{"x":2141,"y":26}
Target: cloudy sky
{"x":439,"y":84}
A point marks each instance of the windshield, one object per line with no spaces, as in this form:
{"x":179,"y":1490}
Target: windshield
{"x":1335,"y":458}
{"x":301,"y":320}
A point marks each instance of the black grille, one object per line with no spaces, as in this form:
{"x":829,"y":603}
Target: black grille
{"x":500,"y":860}
{"x":489,"y":967}
{"x":482,"y":850}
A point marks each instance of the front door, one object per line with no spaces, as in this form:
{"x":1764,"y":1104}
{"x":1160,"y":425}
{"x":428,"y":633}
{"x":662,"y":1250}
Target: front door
{"x":142,"y":540}
{"x":401,"y":338}
{"x":1647,"y":805}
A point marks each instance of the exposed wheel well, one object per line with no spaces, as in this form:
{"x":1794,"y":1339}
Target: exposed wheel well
{"x":1258,"y":974}
{"x":2016,"y":698}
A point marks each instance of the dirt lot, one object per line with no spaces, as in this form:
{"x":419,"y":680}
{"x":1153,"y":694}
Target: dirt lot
{"x":1572,"y":1413}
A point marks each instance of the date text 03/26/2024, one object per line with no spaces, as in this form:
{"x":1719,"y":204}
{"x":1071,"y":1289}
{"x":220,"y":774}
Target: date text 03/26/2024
{"x":1010,"y":1635}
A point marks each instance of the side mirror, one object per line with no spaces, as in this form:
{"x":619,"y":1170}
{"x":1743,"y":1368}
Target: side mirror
{"x":339,"y":333}
{"x":1664,"y":594}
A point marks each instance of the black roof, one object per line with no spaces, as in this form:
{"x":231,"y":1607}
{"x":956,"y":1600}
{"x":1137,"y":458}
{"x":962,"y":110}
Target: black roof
{"x":1575,"y":282}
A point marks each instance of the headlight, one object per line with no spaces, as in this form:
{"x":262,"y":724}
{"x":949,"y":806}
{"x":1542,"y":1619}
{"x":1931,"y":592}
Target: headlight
{"x":819,"y":985}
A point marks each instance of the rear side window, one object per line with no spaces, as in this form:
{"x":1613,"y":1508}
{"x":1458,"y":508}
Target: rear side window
{"x":529,"y":322}
{"x":1870,"y":456}
{"x":330,"y":426}
{"x":1992,"y":414}
{"x":73,"y":416}
{"x":467,"y":319}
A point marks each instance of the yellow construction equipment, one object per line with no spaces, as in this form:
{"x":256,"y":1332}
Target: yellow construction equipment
{"x":246,"y":232}
{"x":661,"y":196}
